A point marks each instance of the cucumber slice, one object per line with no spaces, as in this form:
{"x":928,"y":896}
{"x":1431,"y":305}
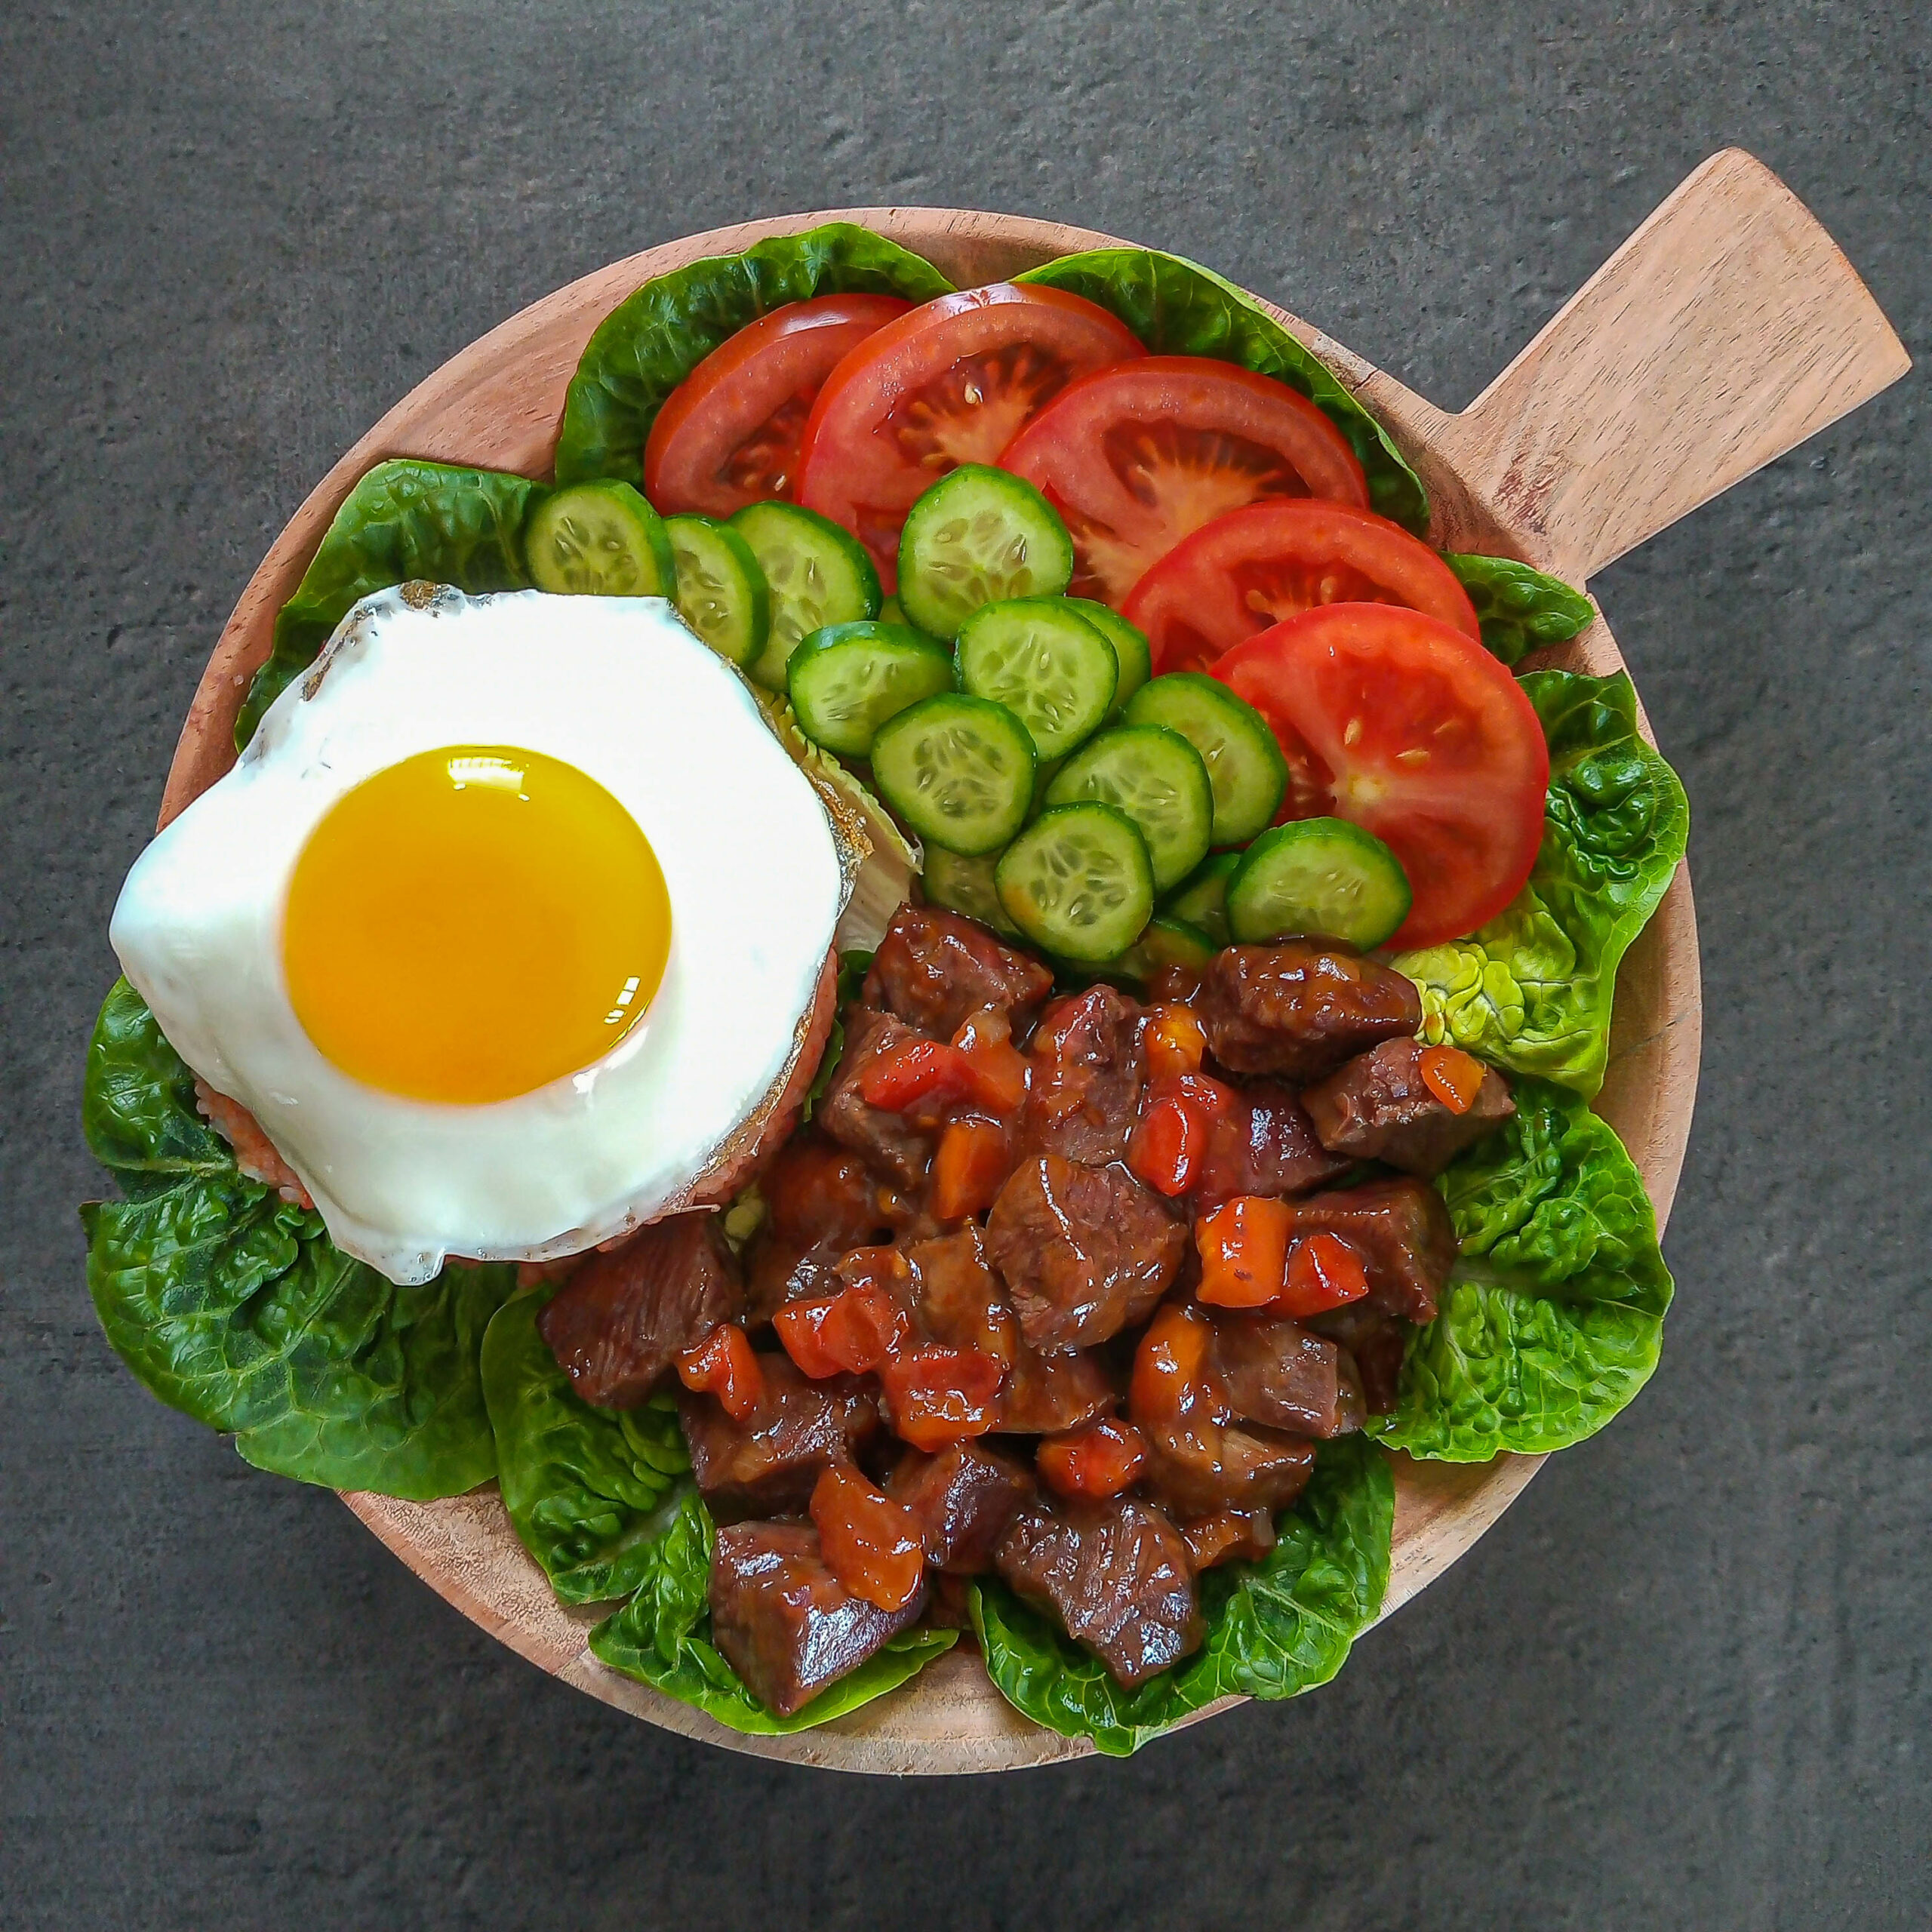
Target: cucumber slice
{"x":1244,"y":762}
{"x":966,"y":885}
{"x":1077,"y":881}
{"x":818,"y":575}
{"x":1317,"y":875}
{"x":1041,"y":660}
{"x":599,"y":539}
{"x":1201,"y":900}
{"x":1156,"y":777}
{"x":958,"y":770}
{"x":848,"y":679}
{"x":978,"y":536}
{"x":1130,"y":648}
{"x":721,"y":592}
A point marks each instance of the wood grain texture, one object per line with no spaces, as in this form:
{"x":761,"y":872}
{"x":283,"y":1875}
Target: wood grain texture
{"x":1726,"y":329}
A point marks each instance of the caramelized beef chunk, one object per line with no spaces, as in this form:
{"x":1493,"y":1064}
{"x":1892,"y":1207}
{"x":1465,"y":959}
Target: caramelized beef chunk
{"x":777,"y":1273}
{"x":1272,"y":1370}
{"x":1375,"y":1341}
{"x":1301,"y":1008}
{"x":784,"y":1623}
{"x":1267,"y":1145}
{"x":1086,"y":1251}
{"x":1401,"y":1229}
{"x":1197,"y":1465}
{"x":1088,"y":1068}
{"x":954,"y":1298}
{"x":1049,"y":1395}
{"x":936,"y":969}
{"x":767,"y":1466}
{"x":963,"y":1498}
{"x":888,"y":1143}
{"x":1377,"y":1108}
{"x":617,"y":1323}
{"x":1116,"y":1574}
{"x":1229,"y":1535}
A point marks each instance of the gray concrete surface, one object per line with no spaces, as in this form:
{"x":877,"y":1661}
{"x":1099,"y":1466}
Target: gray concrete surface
{"x":1684,"y":1684}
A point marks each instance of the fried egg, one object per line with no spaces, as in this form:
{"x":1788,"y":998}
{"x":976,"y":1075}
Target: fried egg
{"x":507,"y":920}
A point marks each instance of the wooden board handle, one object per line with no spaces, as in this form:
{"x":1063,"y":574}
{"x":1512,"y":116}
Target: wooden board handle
{"x":1727,"y":329}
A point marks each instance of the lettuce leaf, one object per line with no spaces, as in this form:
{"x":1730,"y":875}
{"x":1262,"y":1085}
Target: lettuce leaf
{"x":234,"y":1307}
{"x":1532,"y":990}
{"x":1554,"y":1314}
{"x":1275,"y":1628}
{"x":1520,"y":608}
{"x":405,"y":520}
{"x":651,"y":341}
{"x":1178,"y":308}
{"x":662,"y":1638}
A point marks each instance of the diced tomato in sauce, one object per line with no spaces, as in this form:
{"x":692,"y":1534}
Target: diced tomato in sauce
{"x":1175,"y":1041}
{"x":1170,"y":1365}
{"x":1244,"y":1248}
{"x":723,"y":1365}
{"x":1453,"y":1077}
{"x":938,"y":1395}
{"x":969,"y":1168}
{"x":1324,"y":1272}
{"x":850,"y":1333}
{"x":1101,"y":1459}
{"x":928,"y":1076}
{"x":871,"y":1544}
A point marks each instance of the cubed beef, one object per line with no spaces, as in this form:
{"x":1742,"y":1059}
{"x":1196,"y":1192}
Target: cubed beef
{"x":1117,"y":1576}
{"x":954,"y":1298}
{"x":818,"y":1195}
{"x":1049,"y":1395}
{"x":777,"y":1273}
{"x":1403,"y":1233}
{"x":1088,"y":1068}
{"x":784,"y":1623}
{"x":1197,"y":1465}
{"x":1229,"y":1535}
{"x":1266,"y":1144}
{"x":1378,"y":1108}
{"x":1300,"y":1009}
{"x":963,"y":1498}
{"x":1376,"y":1342}
{"x":617,"y":1323}
{"x":936,"y":969}
{"x":1272,"y":1371}
{"x":888,"y":1142}
{"x":767,"y":1466}
{"x":1085,"y":1251}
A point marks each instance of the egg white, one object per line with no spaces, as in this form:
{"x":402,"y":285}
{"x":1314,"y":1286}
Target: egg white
{"x":618,"y":688}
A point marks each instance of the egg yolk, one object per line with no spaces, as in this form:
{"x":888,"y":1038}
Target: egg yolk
{"x":472,"y":924}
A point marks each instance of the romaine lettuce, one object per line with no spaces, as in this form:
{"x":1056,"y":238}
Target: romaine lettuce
{"x":1520,"y":608}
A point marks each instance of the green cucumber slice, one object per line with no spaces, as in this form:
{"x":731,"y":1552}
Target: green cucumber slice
{"x":958,"y":770}
{"x":1317,"y":875}
{"x":818,"y":574}
{"x":966,"y":885}
{"x":1077,"y":881}
{"x":1157,"y":778}
{"x":1201,"y":900}
{"x":977,"y":537}
{"x":722,"y":592}
{"x":1041,"y":660}
{"x":1244,"y":762}
{"x":1130,"y":648}
{"x":846,"y":680}
{"x":599,"y":539}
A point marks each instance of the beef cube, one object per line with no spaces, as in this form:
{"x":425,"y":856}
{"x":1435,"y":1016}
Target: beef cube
{"x":768,"y":1465}
{"x":1301,"y":1008}
{"x":1378,"y":1108}
{"x":1272,"y":1370}
{"x":1403,"y":1233}
{"x":936,"y":969}
{"x":1197,"y":1465}
{"x":1229,"y":1535}
{"x":1376,"y":1342}
{"x":784,"y":1623}
{"x":1085,"y":1251}
{"x":617,"y":1323}
{"x":888,"y":1142}
{"x":1049,"y":1395}
{"x":777,"y":1273}
{"x":963,"y":1498}
{"x":1117,"y":1576}
{"x":1266,"y":1145}
{"x":954,"y":1298}
{"x":1088,"y":1068}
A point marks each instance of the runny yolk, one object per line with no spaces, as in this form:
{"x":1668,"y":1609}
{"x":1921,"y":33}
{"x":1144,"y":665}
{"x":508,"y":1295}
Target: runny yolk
{"x":472,"y":924}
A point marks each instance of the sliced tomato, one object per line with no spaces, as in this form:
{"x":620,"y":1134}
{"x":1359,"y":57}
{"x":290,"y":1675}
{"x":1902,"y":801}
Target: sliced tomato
{"x":1139,"y":457}
{"x":954,"y":382}
{"x":1255,"y":567}
{"x":728,"y":434}
{"x":1402,"y":724}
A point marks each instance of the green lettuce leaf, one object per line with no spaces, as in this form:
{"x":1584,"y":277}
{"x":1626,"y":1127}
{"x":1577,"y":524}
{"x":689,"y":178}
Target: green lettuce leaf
{"x":405,"y":520}
{"x":1532,"y":990}
{"x":651,"y":341}
{"x":1275,"y":1628}
{"x":1554,"y":1314}
{"x":588,"y":1490}
{"x":662,"y":1638}
{"x":1178,"y":308}
{"x":234,"y":1307}
{"x":1520,"y":609}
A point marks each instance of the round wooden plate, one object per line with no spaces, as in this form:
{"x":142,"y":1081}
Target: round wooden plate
{"x":1623,"y":414}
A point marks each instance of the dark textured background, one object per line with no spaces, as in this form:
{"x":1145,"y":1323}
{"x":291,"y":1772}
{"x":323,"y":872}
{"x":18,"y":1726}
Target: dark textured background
{"x":1683,"y":1684}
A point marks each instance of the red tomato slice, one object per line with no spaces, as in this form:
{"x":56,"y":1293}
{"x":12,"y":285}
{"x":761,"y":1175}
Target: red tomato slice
{"x":728,"y":434}
{"x":954,"y":382}
{"x":1255,"y":567}
{"x":1408,"y":728}
{"x":1139,"y":457}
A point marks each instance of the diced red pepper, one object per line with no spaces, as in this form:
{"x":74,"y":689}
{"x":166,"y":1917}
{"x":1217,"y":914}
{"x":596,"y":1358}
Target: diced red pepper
{"x":940,"y":1395}
{"x":1169,"y":1365}
{"x":871,"y":1544}
{"x":920,"y":1070}
{"x":1243,"y":1245}
{"x":1324,"y":1272}
{"x":1175,"y":1041}
{"x":1168,"y":1141}
{"x":847,"y":1333}
{"x":723,"y":1364}
{"x":969,"y":1168}
{"x":1453,"y":1077}
{"x":1101,"y":1459}
{"x":998,"y":1070}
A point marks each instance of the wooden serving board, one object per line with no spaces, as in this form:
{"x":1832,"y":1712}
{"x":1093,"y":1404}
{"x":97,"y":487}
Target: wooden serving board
{"x":1724,"y":332}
